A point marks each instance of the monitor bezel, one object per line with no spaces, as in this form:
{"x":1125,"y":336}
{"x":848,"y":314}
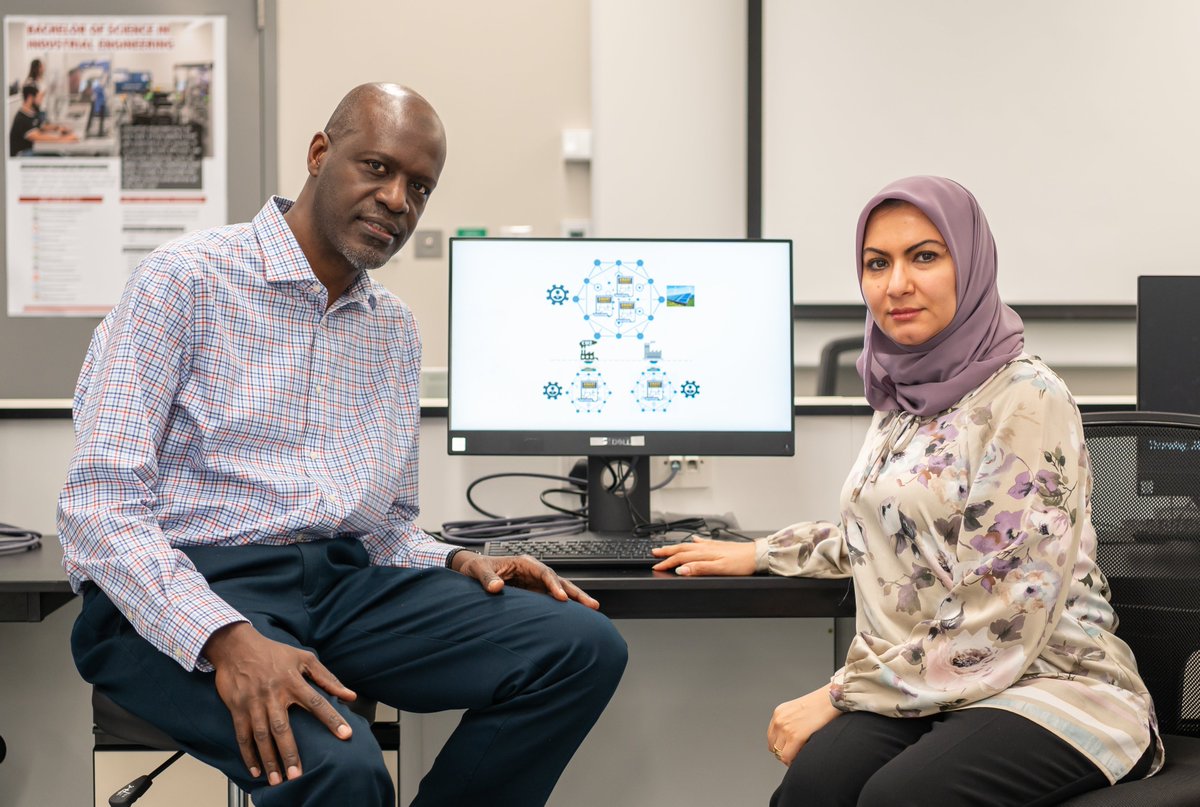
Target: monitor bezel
{"x":619,"y":443}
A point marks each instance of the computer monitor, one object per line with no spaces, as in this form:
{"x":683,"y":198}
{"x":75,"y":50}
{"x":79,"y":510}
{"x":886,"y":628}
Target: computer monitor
{"x":133,"y":82}
{"x":1168,"y":375}
{"x":620,"y":348}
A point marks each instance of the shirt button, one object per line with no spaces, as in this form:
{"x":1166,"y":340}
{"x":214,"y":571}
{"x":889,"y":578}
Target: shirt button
{"x":320,"y":390}
{"x":312,"y":455}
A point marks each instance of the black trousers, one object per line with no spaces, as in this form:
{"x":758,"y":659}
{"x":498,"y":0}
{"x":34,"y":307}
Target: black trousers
{"x":533,"y":673}
{"x":962,"y":757}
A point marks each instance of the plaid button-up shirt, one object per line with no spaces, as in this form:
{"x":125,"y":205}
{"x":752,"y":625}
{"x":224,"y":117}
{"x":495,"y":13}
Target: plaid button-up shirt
{"x":220,"y":403}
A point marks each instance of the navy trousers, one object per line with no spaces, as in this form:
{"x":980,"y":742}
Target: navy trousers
{"x":533,"y":673}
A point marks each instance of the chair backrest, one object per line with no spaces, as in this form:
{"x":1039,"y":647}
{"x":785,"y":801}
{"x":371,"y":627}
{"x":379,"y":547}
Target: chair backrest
{"x":829,"y":366}
{"x":1146,"y":511}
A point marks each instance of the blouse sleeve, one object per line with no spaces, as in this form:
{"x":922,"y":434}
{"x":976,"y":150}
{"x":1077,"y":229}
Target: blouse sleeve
{"x":807,"y":549}
{"x":1012,"y":564}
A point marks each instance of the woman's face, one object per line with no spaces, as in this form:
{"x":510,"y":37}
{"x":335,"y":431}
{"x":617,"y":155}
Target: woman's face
{"x":908,"y":278}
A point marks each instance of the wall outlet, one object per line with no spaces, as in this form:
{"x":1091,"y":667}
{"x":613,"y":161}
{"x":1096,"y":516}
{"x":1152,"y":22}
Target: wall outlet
{"x":694,"y":472}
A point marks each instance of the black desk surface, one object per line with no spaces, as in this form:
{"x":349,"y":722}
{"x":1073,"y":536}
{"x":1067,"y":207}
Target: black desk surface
{"x":33,"y":584}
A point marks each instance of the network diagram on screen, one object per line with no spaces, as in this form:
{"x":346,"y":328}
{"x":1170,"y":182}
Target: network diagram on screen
{"x":619,"y":300}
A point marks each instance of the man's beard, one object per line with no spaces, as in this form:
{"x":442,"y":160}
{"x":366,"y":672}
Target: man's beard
{"x":362,"y":258}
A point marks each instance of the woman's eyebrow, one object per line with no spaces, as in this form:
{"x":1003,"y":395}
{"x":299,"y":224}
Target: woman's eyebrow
{"x":918,"y":245}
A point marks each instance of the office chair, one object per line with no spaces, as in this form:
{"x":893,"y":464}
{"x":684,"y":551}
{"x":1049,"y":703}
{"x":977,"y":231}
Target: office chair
{"x":829,"y":365}
{"x":116,"y":729}
{"x":1146,"y":510}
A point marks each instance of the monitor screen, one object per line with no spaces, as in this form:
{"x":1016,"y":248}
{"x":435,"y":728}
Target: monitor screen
{"x":620,"y":347}
{"x":125,"y":81}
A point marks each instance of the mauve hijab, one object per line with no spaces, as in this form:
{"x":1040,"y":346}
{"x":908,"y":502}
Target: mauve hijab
{"x":984,"y":334}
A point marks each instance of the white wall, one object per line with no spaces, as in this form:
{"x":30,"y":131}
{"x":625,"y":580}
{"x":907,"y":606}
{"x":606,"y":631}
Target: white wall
{"x":669,"y":118}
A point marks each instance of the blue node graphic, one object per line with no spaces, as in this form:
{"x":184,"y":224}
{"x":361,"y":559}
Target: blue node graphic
{"x":618,"y":298}
{"x":552,"y":390}
{"x":653,"y":391}
{"x":589,"y":391}
{"x":556,"y":294}
{"x":690,"y":389}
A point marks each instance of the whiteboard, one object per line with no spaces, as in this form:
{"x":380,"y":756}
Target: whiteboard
{"x":1076,"y":123}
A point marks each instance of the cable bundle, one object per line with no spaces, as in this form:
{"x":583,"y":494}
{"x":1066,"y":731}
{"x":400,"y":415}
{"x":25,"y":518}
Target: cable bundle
{"x":14,"y":539}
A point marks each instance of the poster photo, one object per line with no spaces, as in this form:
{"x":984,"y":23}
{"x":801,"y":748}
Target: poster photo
{"x":115,"y":132}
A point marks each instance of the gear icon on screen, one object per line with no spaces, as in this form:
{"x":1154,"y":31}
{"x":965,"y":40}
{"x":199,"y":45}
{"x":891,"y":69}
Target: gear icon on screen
{"x":552,"y":390}
{"x":556,"y":294}
{"x":690,"y":389}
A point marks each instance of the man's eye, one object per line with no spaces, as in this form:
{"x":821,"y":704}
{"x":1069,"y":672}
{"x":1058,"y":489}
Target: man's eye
{"x":421,"y":188}
{"x":375,"y":165}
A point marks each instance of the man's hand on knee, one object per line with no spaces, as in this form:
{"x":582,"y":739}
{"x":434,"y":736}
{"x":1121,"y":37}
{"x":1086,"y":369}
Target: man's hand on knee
{"x":523,"y":571}
{"x":259,"y":680}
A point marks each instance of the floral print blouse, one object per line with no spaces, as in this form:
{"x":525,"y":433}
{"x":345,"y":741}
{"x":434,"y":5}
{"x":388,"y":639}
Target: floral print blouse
{"x":968,"y":535}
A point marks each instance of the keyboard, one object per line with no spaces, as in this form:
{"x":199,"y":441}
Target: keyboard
{"x":587,"y":549}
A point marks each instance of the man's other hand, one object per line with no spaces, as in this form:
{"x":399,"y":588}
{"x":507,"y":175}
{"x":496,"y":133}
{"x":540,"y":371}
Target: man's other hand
{"x":522,"y":571}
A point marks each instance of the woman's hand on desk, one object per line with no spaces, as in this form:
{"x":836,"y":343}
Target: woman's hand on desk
{"x":704,"y":556}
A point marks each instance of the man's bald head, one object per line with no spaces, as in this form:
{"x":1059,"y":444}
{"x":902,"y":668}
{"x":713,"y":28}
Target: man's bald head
{"x":360,"y":106}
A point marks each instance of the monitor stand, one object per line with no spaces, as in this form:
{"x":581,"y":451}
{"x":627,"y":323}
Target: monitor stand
{"x":618,"y":493}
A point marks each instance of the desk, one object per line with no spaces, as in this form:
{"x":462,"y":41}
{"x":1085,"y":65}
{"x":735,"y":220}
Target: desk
{"x":83,"y":147}
{"x":33,"y":584}
{"x":646,"y":594}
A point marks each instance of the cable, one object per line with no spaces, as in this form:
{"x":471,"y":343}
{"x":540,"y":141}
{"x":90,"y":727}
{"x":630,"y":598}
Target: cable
{"x":568,"y":522}
{"x":675,"y":468}
{"x":503,"y":528}
{"x":568,"y":479}
{"x":14,"y":539}
{"x":474,"y":533}
{"x":581,"y":511}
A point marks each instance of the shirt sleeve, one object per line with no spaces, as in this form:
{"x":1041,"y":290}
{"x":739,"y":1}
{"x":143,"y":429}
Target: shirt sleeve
{"x":1020,"y":536}
{"x":136,"y":363}
{"x":806,"y":549}
{"x":399,"y":541}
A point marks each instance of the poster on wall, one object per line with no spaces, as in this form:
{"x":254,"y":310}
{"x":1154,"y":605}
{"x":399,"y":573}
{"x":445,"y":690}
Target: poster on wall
{"x":116,"y":143}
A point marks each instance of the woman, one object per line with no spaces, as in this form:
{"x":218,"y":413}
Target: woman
{"x":984,"y":668}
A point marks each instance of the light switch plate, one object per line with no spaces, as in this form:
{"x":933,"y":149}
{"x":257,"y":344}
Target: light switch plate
{"x":427,"y":244}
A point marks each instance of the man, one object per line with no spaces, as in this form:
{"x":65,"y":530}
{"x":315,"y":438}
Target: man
{"x":239,"y":511}
{"x":28,"y":129}
{"x":98,"y":107}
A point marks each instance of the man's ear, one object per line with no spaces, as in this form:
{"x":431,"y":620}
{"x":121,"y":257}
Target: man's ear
{"x":318,"y":149}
